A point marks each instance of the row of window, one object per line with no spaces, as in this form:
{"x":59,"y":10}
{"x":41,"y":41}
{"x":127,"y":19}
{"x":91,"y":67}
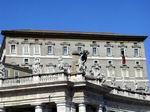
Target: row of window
{"x":65,"y":50}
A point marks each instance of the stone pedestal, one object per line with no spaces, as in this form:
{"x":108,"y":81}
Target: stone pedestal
{"x":38,"y":108}
{"x":63,"y":107}
{"x":82,"y":107}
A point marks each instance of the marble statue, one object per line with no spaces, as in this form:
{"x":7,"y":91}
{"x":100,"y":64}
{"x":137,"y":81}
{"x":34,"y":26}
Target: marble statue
{"x":36,"y":66}
{"x":60,"y":63}
{"x":82,"y":60}
{"x":113,"y":81}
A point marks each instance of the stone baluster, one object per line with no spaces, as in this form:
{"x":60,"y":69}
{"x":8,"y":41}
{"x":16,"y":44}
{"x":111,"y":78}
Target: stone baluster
{"x":38,"y":108}
{"x":36,"y":79}
{"x":100,"y":108}
{"x":82,"y":107}
{"x":63,"y":107}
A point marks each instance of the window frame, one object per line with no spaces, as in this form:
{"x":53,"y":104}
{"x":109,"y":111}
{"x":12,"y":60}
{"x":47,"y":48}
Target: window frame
{"x":109,"y":73}
{"x":39,"y":49}
{"x":127,"y":72}
{"x":138,"y":52}
{"x":52,"y":50}
{"x":124,"y":49}
{"x":26,"y":53}
{"x":96,"y":50}
{"x":67,"y":50}
{"x":15,"y":51}
{"x":24,"y":61}
{"x":110,"y":51}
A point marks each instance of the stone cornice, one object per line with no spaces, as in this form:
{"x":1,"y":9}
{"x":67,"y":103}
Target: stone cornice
{"x":73,"y":35}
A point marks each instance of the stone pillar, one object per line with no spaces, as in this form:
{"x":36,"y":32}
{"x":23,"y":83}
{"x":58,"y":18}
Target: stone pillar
{"x":72,"y":108}
{"x":82,"y":107}
{"x":38,"y":108}
{"x":63,"y":107}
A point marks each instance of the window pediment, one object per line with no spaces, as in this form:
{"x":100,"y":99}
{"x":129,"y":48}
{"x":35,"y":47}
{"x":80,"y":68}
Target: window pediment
{"x":122,"y":45}
{"x":79,"y":44}
{"x":110,"y":66}
{"x":124,"y":67}
{"x":50,"y":43}
{"x":94,"y":45}
{"x":108,"y":44}
{"x":13,"y":42}
{"x":138,"y":67}
{"x":25,"y":41}
{"x":65,"y":44}
{"x":136,"y":45}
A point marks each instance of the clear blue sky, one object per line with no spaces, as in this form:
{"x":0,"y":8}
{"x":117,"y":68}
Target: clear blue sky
{"x":118,"y":16}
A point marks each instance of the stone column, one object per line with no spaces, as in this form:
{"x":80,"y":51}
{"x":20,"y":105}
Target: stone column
{"x":2,"y":110}
{"x":100,"y":108}
{"x":38,"y":108}
{"x":82,"y":107}
{"x":63,"y":107}
{"x":72,"y":108}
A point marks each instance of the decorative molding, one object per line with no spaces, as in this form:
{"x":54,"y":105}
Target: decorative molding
{"x":124,"y":66}
{"x":94,"y":45}
{"x":110,"y":66}
{"x":108,"y":44}
{"x":79,"y":44}
{"x":65,"y":44}
{"x":69,"y":57}
{"x":13,"y":42}
{"x":122,"y":45}
{"x":136,"y":45}
{"x":50,"y":43}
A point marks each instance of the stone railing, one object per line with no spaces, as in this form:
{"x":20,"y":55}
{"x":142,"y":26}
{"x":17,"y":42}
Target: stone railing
{"x":33,"y":79}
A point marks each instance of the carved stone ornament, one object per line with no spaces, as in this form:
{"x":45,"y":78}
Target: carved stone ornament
{"x":36,"y":66}
{"x":95,"y":70}
{"x":2,"y":70}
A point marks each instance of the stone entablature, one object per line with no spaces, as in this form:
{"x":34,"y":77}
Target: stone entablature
{"x":41,"y":88}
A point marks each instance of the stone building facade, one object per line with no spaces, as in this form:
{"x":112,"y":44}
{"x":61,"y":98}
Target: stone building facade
{"x":114,"y":72}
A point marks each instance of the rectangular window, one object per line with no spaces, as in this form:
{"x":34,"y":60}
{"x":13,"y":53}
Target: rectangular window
{"x":94,"y":51}
{"x":65,"y":50}
{"x":25,"y":49}
{"x":136,"y":52}
{"x":37,"y":49}
{"x":26,"y":61}
{"x":109,"y":52}
{"x":138,"y":73}
{"x":16,"y":74}
{"x":122,"y":51}
{"x":125,"y":73}
{"x":13,"y":49}
{"x":79,"y":49}
{"x":50,"y":50}
{"x":110,"y":72}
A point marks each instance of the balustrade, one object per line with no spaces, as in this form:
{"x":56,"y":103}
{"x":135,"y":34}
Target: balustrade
{"x":33,"y":79}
